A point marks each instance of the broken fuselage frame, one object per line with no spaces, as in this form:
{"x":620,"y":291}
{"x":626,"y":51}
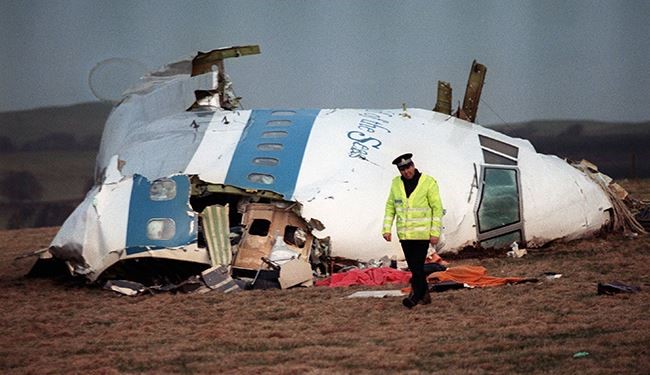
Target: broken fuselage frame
{"x":171,"y":149}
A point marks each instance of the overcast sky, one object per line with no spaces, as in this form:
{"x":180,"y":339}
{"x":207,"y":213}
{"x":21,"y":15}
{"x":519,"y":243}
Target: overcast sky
{"x":545,"y":59}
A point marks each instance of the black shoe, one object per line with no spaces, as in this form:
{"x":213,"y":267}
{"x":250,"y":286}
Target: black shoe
{"x":426,"y":299}
{"x":408,"y":303}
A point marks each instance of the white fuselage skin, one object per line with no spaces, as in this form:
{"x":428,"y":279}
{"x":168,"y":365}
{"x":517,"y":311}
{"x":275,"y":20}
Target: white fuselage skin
{"x":343,"y":179}
{"x":346,"y":172}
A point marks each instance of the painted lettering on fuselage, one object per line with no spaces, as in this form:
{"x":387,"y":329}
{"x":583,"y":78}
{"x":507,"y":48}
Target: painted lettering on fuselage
{"x":370,"y":128}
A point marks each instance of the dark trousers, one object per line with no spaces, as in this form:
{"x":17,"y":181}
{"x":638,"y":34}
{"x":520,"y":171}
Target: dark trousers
{"x":415,"y":252}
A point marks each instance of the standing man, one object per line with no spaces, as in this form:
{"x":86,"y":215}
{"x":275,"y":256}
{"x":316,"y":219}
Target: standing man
{"x":415,"y":200}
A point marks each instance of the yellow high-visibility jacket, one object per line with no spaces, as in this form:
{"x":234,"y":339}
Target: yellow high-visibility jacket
{"x":419,"y":217}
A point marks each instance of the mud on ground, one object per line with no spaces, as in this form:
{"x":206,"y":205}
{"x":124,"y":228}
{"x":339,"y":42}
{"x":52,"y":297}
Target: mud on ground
{"x":49,"y":326}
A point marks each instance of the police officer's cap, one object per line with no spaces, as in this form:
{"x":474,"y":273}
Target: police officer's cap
{"x":403,"y":161}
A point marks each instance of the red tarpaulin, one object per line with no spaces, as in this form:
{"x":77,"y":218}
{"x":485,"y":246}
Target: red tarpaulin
{"x":368,"y":276}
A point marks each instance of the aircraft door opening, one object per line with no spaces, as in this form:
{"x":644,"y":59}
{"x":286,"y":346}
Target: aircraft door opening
{"x":499,"y":219}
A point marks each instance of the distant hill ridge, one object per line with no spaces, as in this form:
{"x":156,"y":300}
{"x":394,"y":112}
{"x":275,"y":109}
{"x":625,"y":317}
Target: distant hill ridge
{"x":553,"y":128}
{"x":82,"y":122}
{"x":620,"y":149}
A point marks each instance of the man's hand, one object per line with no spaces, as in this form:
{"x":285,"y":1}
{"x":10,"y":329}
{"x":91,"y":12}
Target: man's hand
{"x":387,"y":236}
{"x":433,"y":241}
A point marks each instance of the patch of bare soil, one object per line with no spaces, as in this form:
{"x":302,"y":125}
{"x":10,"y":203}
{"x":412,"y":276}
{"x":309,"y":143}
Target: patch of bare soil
{"x":56,"y":326}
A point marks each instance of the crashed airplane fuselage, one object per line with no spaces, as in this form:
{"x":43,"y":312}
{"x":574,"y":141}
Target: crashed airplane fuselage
{"x":162,"y":165}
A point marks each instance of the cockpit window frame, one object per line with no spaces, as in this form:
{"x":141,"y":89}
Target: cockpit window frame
{"x":508,"y":228}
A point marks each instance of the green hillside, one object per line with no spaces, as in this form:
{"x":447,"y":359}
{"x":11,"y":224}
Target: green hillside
{"x":47,"y":160}
{"x":81,"y":121}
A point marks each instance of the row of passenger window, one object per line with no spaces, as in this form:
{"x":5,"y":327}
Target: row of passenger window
{"x":264,"y":178}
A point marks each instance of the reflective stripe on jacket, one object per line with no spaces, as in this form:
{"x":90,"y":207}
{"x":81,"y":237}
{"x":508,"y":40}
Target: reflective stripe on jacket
{"x":419,"y":217}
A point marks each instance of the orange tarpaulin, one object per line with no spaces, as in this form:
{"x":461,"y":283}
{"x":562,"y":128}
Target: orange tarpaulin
{"x":471,"y":275}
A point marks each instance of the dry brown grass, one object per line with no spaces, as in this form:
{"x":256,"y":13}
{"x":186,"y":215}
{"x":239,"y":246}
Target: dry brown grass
{"x":49,"y":326}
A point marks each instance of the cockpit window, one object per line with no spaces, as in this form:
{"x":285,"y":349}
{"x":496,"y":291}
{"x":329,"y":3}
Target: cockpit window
{"x":499,"y":205}
{"x":502,"y":147}
{"x":498,"y":152}
{"x":493,"y":158}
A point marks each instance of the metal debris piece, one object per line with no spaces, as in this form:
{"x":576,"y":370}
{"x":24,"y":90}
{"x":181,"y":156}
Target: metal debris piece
{"x":443,"y":103}
{"x":217,"y":234}
{"x":295,"y":272}
{"x":205,"y":61}
{"x":623,"y":220}
{"x":516,"y":252}
{"x":580,"y":354}
{"x":473,"y":90}
{"x":125,"y":287}
{"x":376,"y":294}
{"x":615,"y":287}
{"x":218,"y":278}
{"x":552,"y":275}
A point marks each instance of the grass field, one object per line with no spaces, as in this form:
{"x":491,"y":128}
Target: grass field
{"x":49,"y":326}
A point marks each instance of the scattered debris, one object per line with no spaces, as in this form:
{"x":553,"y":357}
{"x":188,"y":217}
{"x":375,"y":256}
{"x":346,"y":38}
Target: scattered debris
{"x":217,"y":234}
{"x":516,"y":252}
{"x":473,"y":92}
{"x":218,"y":278}
{"x":623,"y":220}
{"x":615,"y":287}
{"x":191,"y":285}
{"x":376,"y":294}
{"x":273,"y":231}
{"x":128,"y":288}
{"x":447,"y":285}
{"x":443,"y":102}
{"x":295,"y":272}
{"x":580,"y":354}
{"x":430,"y":268}
{"x":552,"y":275}
{"x":643,"y":217}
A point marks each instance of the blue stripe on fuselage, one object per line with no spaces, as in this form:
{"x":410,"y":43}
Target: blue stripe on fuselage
{"x":245,"y":173}
{"x":143,"y":209}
